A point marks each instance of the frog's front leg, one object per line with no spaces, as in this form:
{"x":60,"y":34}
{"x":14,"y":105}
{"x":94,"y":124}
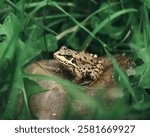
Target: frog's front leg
{"x":78,"y":75}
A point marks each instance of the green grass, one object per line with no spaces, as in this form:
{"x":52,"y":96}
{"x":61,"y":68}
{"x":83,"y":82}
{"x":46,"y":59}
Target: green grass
{"x":32,"y":30}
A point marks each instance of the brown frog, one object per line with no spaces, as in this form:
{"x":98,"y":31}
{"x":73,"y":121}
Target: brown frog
{"x":80,"y":63}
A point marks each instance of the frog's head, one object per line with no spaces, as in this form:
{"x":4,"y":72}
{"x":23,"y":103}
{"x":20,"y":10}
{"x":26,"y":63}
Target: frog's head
{"x":65,"y":57}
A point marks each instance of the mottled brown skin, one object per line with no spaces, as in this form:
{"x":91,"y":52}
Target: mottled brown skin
{"x":80,"y":64}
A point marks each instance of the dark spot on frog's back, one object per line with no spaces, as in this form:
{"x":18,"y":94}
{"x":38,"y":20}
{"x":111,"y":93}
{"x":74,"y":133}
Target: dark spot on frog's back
{"x":89,"y":68}
{"x":96,"y":71}
{"x":85,"y":57}
{"x":91,"y":60}
{"x":80,"y":68}
{"x":92,"y":67}
{"x":80,"y":59}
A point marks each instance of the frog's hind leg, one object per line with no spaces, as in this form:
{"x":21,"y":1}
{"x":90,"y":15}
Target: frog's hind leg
{"x":94,"y":76}
{"x":91,"y":79}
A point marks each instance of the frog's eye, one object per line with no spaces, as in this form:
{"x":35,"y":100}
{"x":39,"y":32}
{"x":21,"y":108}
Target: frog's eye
{"x":73,"y":61}
{"x":68,"y":57}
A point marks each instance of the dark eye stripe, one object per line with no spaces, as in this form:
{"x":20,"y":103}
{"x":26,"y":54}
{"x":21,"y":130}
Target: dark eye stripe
{"x":68,"y":57}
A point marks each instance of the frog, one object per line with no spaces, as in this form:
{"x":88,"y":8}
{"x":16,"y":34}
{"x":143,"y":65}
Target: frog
{"x":80,"y":64}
